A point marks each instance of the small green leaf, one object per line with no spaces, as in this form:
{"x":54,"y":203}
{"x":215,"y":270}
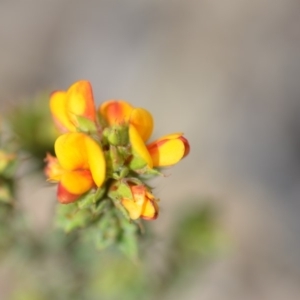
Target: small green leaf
{"x":86,"y":125}
{"x":86,"y":200}
{"x":100,"y":192}
{"x":128,"y":242}
{"x":70,"y":217}
{"x":106,"y":231}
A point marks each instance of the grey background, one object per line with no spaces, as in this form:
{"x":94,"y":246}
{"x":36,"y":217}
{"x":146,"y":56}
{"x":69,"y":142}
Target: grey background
{"x":226,"y":73}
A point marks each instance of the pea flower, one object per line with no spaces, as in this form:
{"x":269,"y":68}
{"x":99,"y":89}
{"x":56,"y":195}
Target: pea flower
{"x":164,"y":152}
{"x":68,"y":106}
{"x":136,"y":198}
{"x":121,"y":112}
{"x":168,"y":150}
{"x":104,"y":154}
{"x":142,"y":204}
{"x":79,"y":167}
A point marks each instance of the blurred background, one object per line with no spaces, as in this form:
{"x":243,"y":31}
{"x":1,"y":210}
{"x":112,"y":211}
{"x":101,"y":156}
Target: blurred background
{"x":226,"y":73}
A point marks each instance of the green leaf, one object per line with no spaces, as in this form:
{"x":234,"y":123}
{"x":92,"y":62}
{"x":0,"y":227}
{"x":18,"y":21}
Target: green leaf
{"x":70,"y":217}
{"x":86,"y":125}
{"x":100,"y":192}
{"x":128,"y":242}
{"x":86,"y":201}
{"x":107,"y":231}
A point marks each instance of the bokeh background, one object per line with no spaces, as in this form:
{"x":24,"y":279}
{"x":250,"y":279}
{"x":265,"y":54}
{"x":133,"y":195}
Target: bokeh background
{"x":226,"y":73}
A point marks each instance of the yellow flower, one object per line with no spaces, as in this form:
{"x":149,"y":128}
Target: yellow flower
{"x":117,"y":112}
{"x":142,"y":204}
{"x":79,"y":167}
{"x":168,"y":150}
{"x":66,"y":106}
{"x":163,"y":152}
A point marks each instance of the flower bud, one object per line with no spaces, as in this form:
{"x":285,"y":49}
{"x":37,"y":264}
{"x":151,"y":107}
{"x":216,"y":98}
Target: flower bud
{"x":142,"y":204}
{"x":117,"y":135}
{"x":116,"y":111}
{"x":120,"y":112}
{"x":138,"y":201}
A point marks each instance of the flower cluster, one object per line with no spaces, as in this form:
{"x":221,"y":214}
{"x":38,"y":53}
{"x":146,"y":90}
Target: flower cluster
{"x":105,"y":152}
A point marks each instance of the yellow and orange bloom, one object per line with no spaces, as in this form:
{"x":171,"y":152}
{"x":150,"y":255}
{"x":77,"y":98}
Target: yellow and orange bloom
{"x":168,"y":150}
{"x":120,"y":112}
{"x":164,"y":152}
{"x":123,"y":132}
{"x":67,"y":106}
{"x":79,"y":167}
{"x":142,"y":204}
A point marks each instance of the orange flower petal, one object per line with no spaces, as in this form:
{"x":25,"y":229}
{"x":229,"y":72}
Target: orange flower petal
{"x":116,"y":111}
{"x":66,"y":106}
{"x":70,"y":151}
{"x":58,"y":108}
{"x":168,"y":150}
{"x":133,"y":209}
{"x":65,"y":196}
{"x":143,"y":204}
{"x":77,"y":182}
{"x":149,"y":210}
{"x":142,"y":120}
{"x":78,"y":151}
{"x":81,"y":101}
{"x":186,"y":146}
{"x":139,"y":193}
{"x":96,"y":160}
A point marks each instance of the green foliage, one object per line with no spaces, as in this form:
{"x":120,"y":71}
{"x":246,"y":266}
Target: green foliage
{"x":85,"y":125}
{"x":197,"y":235}
{"x":70,"y":217}
{"x":103,"y":221}
{"x":32,"y":124}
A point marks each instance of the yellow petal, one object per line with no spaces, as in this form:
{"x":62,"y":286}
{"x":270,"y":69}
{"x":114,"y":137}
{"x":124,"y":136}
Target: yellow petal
{"x":133,"y":209}
{"x":142,"y":120}
{"x":167,"y":151}
{"x":78,"y":151}
{"x":139,"y":193}
{"x":58,"y":108}
{"x":116,"y":111}
{"x":139,"y":147}
{"x":146,"y":201}
{"x":71,"y":151}
{"x":80,"y":101}
{"x":77,"y":182}
{"x":171,"y":136}
{"x":64,"y":196}
{"x":96,"y":160}
{"x":66,"y":106}
{"x":149,"y":210}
